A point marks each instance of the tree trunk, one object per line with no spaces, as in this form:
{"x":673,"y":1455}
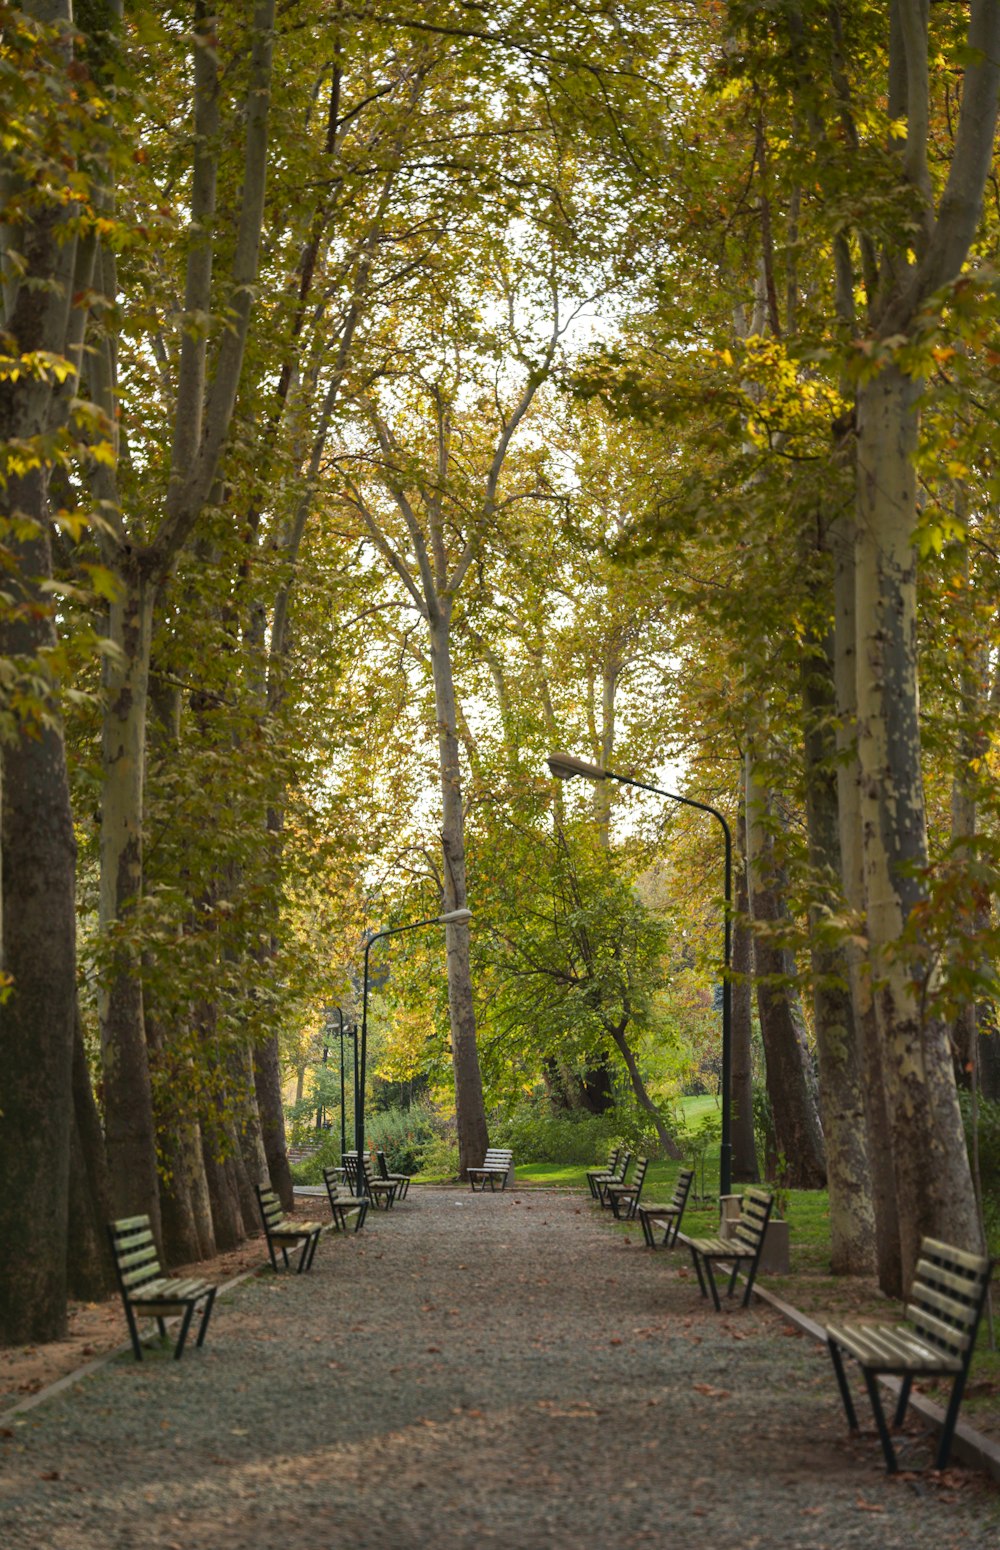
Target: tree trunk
{"x":745,"y":1168}
{"x":128,"y":1103}
{"x":842,"y":1107}
{"x":473,"y":1137}
{"x":37,"y":843}
{"x":267,"y":1078}
{"x":38,"y":926}
{"x":227,"y":1213}
{"x":790,"y":1082}
{"x":879,"y":1144}
{"x":88,"y":1253}
{"x":933,"y":1181}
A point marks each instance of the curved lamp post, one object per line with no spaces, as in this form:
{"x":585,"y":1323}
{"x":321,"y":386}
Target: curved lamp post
{"x":452,"y":918}
{"x":565,"y":767}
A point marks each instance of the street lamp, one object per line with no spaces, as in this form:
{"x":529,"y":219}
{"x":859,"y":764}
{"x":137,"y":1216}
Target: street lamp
{"x":565,"y":767}
{"x":451,"y":918}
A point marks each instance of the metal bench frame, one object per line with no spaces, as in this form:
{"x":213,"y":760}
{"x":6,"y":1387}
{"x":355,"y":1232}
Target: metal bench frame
{"x":145,"y":1289}
{"x":742,"y":1250}
{"x":283,"y":1232}
{"x":401,"y":1180}
{"x":609,"y":1170}
{"x":667,"y":1216}
{"x":341,"y":1206}
{"x":624,"y":1198}
{"x":943,"y":1313}
{"x":495,"y":1165}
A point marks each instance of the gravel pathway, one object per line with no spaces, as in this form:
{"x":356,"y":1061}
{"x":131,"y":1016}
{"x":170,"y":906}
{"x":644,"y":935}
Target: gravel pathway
{"x":506,"y":1372}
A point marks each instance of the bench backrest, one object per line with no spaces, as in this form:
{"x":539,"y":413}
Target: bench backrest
{"x":134,"y":1250}
{"x":613,"y":1157}
{"x":270,"y":1208}
{"x":624,"y":1163}
{"x":498,"y":1154}
{"x":639,"y":1175}
{"x":753,"y":1218}
{"x":383,"y":1166}
{"x":947,"y":1296}
{"x":682,"y":1188}
{"x":331,"y":1181}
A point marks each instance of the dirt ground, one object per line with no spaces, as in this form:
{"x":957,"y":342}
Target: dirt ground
{"x":98,"y":1327}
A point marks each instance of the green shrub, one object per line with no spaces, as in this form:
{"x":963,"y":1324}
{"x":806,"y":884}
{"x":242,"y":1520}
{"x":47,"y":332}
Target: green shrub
{"x":403,"y":1134}
{"x":535,"y":1133}
{"x":326,"y":1155}
{"x":439,"y":1159}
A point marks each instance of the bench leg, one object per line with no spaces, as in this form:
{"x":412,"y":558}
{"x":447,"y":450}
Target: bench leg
{"x":133,"y":1332}
{"x":845,"y":1393}
{"x":871,"y":1384}
{"x":904,"y":1400}
{"x":185,"y":1326}
{"x":707,"y":1280}
{"x":206,"y":1315}
{"x":948,"y":1430}
{"x":359,"y":1220}
{"x":647,"y":1232}
{"x":750,"y":1281}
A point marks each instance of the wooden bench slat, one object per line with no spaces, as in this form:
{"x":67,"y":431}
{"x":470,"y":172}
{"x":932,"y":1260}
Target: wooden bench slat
{"x":144,"y":1287}
{"x":945,"y":1306}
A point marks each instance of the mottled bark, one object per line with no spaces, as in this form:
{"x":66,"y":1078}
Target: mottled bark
{"x":933,"y":1181}
{"x":88,"y":1253}
{"x":128,"y":1102}
{"x":791,"y":1084}
{"x":267,"y":1077}
{"x":879,"y":1141}
{"x":841,"y":1095}
{"x":473,"y":1138}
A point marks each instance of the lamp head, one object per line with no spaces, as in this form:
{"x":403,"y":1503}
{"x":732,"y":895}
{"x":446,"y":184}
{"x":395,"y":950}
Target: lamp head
{"x":565,"y":767}
{"x":454,"y":918}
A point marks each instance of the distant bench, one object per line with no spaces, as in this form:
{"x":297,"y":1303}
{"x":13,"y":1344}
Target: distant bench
{"x":497,"y":1165}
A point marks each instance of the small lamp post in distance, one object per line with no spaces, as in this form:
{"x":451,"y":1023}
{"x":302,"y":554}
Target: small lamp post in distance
{"x":565,"y":766}
{"x":450,"y":918}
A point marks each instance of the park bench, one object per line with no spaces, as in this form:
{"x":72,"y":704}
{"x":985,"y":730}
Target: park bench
{"x":146,"y":1290}
{"x":381,"y":1192}
{"x":943,"y":1312}
{"x":623,"y":1198}
{"x":609,"y":1169}
{"x":283,"y":1232}
{"x":668,"y":1216}
{"x":620,"y":1176}
{"x":342,"y":1206}
{"x":497,"y":1165}
{"x":741,"y":1250}
{"x":401,"y":1180}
